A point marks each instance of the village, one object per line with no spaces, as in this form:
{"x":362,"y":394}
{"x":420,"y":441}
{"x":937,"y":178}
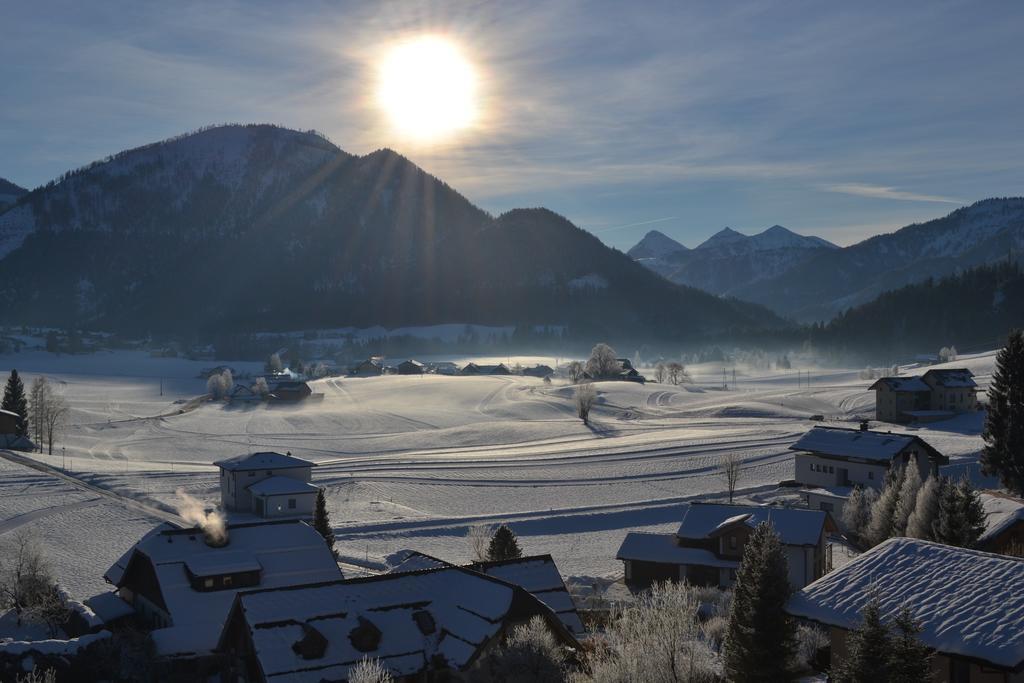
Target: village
{"x":259,"y":586}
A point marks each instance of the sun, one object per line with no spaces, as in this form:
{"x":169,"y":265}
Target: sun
{"x":427,"y":88}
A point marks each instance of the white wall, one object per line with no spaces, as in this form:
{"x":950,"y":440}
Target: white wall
{"x":277,"y":506}
{"x":813,"y":470}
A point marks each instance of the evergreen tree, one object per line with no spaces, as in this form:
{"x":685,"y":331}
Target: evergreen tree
{"x":761,"y":638}
{"x":947,"y":526}
{"x":1003,"y":454}
{"x":504,"y":545}
{"x":909,"y":659}
{"x":907,"y":498}
{"x":16,"y":402}
{"x":972,"y":513}
{"x":868,"y":650}
{"x":322,"y":520}
{"x":883,"y":512}
{"x":926,"y":510}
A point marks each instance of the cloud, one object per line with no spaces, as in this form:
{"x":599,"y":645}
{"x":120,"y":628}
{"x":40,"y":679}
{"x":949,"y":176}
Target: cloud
{"x":883,"y":192}
{"x":635,"y":225}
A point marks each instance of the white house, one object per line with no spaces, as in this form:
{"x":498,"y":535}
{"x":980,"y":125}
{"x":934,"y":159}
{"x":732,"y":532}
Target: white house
{"x":267,"y":485}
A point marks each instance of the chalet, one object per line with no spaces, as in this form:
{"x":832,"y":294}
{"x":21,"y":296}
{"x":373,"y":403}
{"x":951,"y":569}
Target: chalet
{"x":936,"y":395}
{"x":444,"y":620}
{"x":410,"y":367}
{"x":474,"y":369}
{"x":267,"y":485}
{"x":707,"y":548}
{"x":968,"y":604}
{"x":541,"y":371}
{"x":182,"y":583}
{"x":444,"y":368}
{"x":828,"y":457}
{"x":538,"y":574}
{"x":1004,"y":524}
{"x":371,"y":367}
{"x":290,"y":392}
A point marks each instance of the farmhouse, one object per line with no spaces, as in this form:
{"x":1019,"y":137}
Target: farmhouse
{"x":474,"y":369}
{"x":708,"y":547}
{"x":1004,"y":524}
{"x":410,"y":367}
{"x":936,"y":395}
{"x":541,"y":371}
{"x":267,"y":485}
{"x":291,"y":391}
{"x":829,"y":457}
{"x":445,"y":620}
{"x":967,"y":602}
{"x":372,"y":366}
{"x":181,"y":583}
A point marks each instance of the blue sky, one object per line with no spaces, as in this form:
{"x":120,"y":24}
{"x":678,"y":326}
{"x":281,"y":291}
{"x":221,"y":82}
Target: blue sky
{"x":841,"y":120}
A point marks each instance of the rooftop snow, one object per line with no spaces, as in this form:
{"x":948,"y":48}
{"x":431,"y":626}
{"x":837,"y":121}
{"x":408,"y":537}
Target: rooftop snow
{"x":262,"y":461}
{"x":1001,"y":512}
{"x":795,"y":526}
{"x":218,"y":564}
{"x":540,"y":577}
{"x":968,"y":603}
{"x":413,"y":561}
{"x":901,"y":384}
{"x":953,"y":377}
{"x":855,"y":443}
{"x":109,"y":606}
{"x":281,"y":486}
{"x":665,"y":549}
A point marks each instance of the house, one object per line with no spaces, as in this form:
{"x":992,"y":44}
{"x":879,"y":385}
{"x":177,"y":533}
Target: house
{"x":541,"y":371}
{"x":829,"y":457}
{"x":290,"y":391}
{"x":9,"y":422}
{"x":936,"y":395}
{"x":967,"y":602}
{"x":371,"y":367}
{"x":624,"y":372}
{"x":474,"y":369}
{"x":410,"y":367}
{"x":241,"y":393}
{"x":707,"y":548}
{"x":538,"y":574}
{"x":1004,"y":524}
{"x":268,"y":485}
{"x":182,"y":583}
{"x":445,"y":620}
{"x":444,"y":368}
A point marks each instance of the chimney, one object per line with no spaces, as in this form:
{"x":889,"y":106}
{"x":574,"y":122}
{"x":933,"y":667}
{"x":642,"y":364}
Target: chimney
{"x":214,"y":536}
{"x":863,"y":425}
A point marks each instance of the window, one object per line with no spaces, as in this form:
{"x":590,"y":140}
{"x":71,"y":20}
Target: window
{"x":732,"y":543}
{"x":871,"y":475}
{"x":291,"y":503}
{"x":827,"y":507}
{"x":207,"y":583}
{"x":252,"y":474}
{"x":228,"y":581}
{"x":831,"y":470}
{"x":269,"y":472}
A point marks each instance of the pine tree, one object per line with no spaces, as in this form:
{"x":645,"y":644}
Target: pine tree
{"x":322,"y":520}
{"x":1003,"y":454}
{"x":907,"y":498}
{"x":857,"y":512}
{"x":972,"y":513}
{"x":868,"y":649}
{"x":504,"y":545}
{"x":926,"y":510}
{"x":761,"y":638}
{"x":947,"y":526}
{"x":16,"y":402}
{"x":883,"y":512}
{"x":909,"y":659}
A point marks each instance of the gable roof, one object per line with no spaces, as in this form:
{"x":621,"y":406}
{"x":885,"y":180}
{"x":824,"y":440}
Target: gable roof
{"x":969,"y":603}
{"x":281,"y":486}
{"x":539,"y":575}
{"x":912,"y":384}
{"x":951,"y":377}
{"x":266,"y":460}
{"x":795,"y":526}
{"x":285,"y":553}
{"x":861,"y":444}
{"x":664,"y":549}
{"x":1002,"y":511}
{"x":415,"y":616}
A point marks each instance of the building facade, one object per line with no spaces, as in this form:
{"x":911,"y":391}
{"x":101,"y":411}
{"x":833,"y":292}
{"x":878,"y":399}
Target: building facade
{"x":267,"y":485}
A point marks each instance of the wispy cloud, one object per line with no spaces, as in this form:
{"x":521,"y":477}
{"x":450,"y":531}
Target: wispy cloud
{"x":883,"y":192}
{"x":635,"y":225}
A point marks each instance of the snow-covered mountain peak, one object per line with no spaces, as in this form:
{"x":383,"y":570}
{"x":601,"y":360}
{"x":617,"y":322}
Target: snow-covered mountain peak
{"x":655,"y":244}
{"x":725,"y":236}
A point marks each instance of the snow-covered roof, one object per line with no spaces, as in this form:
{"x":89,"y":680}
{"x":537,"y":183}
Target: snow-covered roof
{"x":665,"y":549}
{"x":281,"y":486}
{"x":1001,"y":513}
{"x":109,"y":606}
{"x":9,"y":413}
{"x":288,"y":553}
{"x":266,"y":460}
{"x":539,"y":575}
{"x":403,"y":620}
{"x":951,"y":377}
{"x":901,"y":384}
{"x":969,"y":603}
{"x":859,"y":443}
{"x":414,"y":561}
{"x":795,"y":526}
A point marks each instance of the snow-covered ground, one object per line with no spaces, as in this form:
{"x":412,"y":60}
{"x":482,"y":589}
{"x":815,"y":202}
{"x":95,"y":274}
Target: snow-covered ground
{"x":412,"y":462}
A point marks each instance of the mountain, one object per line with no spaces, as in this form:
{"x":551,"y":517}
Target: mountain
{"x":655,"y":245}
{"x":836,"y":279}
{"x":729,"y":259}
{"x":242,"y":228}
{"x":973,"y":309}
{"x":9,"y":193}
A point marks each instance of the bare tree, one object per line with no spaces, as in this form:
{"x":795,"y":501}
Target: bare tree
{"x":260,"y":388}
{"x":56,"y":418}
{"x":369,"y":671}
{"x":586,"y":396}
{"x":677,"y":373}
{"x":478,"y":537}
{"x":274,"y":363}
{"x":729,"y":468}
{"x":602,"y":362}
{"x":660,"y":373}
{"x":26,"y":582}
{"x":576,"y":371}
{"x":47,"y":412}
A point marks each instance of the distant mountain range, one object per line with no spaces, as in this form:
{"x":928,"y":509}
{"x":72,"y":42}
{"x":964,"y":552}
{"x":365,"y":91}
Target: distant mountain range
{"x":242,"y":228}
{"x":809,"y":279}
{"x":728,"y":260}
{"x":9,"y":194}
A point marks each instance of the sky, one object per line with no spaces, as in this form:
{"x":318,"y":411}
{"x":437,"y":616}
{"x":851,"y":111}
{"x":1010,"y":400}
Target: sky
{"x":841,"y":120}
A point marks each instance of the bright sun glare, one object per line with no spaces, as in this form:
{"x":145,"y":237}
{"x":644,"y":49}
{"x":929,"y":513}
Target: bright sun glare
{"x":427,"y":88}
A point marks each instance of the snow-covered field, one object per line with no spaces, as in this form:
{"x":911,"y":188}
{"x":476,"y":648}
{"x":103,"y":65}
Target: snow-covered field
{"x":412,"y":462}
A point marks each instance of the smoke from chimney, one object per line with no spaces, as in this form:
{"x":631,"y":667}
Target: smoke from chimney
{"x":212,"y":523}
